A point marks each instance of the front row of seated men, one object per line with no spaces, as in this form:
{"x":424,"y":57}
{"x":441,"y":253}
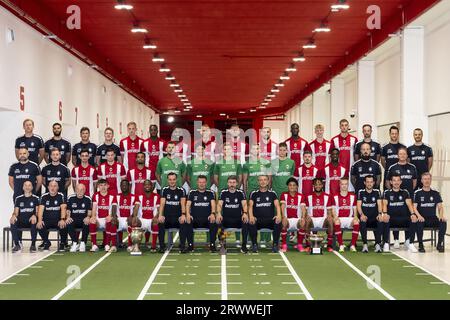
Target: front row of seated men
{"x":292,"y":212}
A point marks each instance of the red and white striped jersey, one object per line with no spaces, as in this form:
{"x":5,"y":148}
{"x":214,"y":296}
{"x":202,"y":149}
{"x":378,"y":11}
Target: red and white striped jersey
{"x":126,"y":204}
{"x":333,"y":176}
{"x":182,"y":152}
{"x":149,"y":205}
{"x":113,"y":174}
{"x":346,"y":147}
{"x":293,"y":204}
{"x":344,"y":205}
{"x":305,"y":179}
{"x":104,"y":204}
{"x":129,"y":149}
{"x":240,"y":150}
{"x":86,"y":176}
{"x":137,"y":177}
{"x":269,"y":150}
{"x":295,"y":151}
{"x":154,"y":150}
{"x":319,"y":204}
{"x":320,"y":151}
{"x":211,"y":149}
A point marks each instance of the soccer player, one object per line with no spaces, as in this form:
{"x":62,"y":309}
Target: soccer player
{"x":320,"y":148}
{"x":370,"y":209}
{"x":268,"y":148}
{"x":170,"y":164}
{"x":363,"y":167}
{"x":130,"y":146}
{"x":226,"y":167}
{"x":24,"y":216}
{"x":333,"y":173}
{"x":85,"y":174}
{"x":127,"y":203}
{"x":138,"y":175}
{"x":153,"y":148}
{"x":112,"y":171}
{"x":405,"y":170}
{"x":282,"y":169}
{"x":59,"y":143}
{"x":148,"y":213}
{"x":105,"y":146}
{"x":389,"y":152}
{"x":24,"y":170}
{"x":420,"y":155}
{"x":296,"y":145}
{"x":264,"y":212}
{"x":79,"y":212}
{"x":430,"y":212}
{"x":307,"y":172}
{"x":32,"y":142}
{"x":293,"y":208}
{"x":210,"y":146}
{"x":319,"y":212}
{"x":201,"y":213}
{"x":182,"y":149}
{"x":199,"y":166}
{"x":172,"y":213}
{"x":104,"y":215}
{"x":398,"y":205}
{"x":375,"y":147}
{"x":232,"y":210}
{"x":240,"y":148}
{"x":345,"y":143}
{"x":346,"y":215}
{"x":252,"y":169}
{"x":56,"y":171}
{"x":84,"y":144}
{"x":52,"y":214}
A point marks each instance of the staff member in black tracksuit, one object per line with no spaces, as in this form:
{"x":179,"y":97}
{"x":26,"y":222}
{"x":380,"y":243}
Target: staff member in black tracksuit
{"x":264,"y":212}
{"x":56,"y":171}
{"x":79,"y":212}
{"x":201,"y":212}
{"x":420,"y":155}
{"x":232,"y":210}
{"x":172,"y":212}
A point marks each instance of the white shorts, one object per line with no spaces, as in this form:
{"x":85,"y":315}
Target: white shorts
{"x":346,"y":222}
{"x":146,"y":224}
{"x":101,"y":224}
{"x":293,"y":223}
{"x":318,"y":222}
{"x":123,"y":224}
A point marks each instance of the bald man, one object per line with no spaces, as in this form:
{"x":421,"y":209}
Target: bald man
{"x":79,"y":211}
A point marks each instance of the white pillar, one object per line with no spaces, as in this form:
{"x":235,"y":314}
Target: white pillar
{"x":366,"y":96}
{"x":322,"y":108}
{"x":337,"y":103}
{"x":412,"y":111}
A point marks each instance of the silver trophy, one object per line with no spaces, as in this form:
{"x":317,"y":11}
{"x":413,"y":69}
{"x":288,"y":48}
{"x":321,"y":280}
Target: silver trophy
{"x":316,"y":243}
{"x":136,"y":239}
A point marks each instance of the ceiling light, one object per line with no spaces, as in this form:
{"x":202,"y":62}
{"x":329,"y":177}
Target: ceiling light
{"x":275,"y":90}
{"x":184,"y":100}
{"x":299,"y":58}
{"x":181,"y":96}
{"x":310,"y":45}
{"x":323,"y":28}
{"x":174,"y":85}
{"x":137,"y":29}
{"x":199,"y":116}
{"x":164,"y":68}
{"x":340,"y":5}
{"x":241,"y":112}
{"x":222,"y":114}
{"x":284,"y":76}
{"x":177,"y":111}
{"x":291,"y":68}
{"x":170,"y":77}
{"x":279,"y":84}
{"x":264,"y":103}
{"x":157,"y":58}
{"x":271,"y":96}
{"x":262,"y":107}
{"x":121,"y":5}
{"x":170,"y":119}
{"x":148,"y":44}
{"x":187,"y":109}
{"x":178,"y":90}
{"x":252,"y":110}
{"x":267,"y":100}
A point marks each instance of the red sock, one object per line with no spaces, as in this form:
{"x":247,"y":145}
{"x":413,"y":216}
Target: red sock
{"x":93,"y":233}
{"x":129,"y":236}
{"x":338,"y":233}
{"x":113,"y":234}
{"x":120,"y":234}
{"x":283,"y":236}
{"x":355,"y":234}
{"x":300,"y":237}
{"x":147,"y":236}
{"x":105,"y":237}
{"x":330,"y":239}
{"x":154,"y":235}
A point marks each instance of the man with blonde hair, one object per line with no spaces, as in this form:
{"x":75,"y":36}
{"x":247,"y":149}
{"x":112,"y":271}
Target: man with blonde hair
{"x":32,"y":142}
{"x":130,"y":146}
{"x":320,"y":148}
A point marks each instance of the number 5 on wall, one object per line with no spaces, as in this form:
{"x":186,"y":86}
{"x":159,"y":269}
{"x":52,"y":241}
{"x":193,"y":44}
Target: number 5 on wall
{"x":22,"y":98}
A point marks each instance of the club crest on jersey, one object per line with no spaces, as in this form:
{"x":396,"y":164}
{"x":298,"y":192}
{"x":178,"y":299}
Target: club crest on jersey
{"x":292,"y":200}
{"x":423,"y":151}
{"x":56,"y":201}
{"x":205,"y":198}
{"x":335,"y":172}
{"x":344,"y":201}
{"x":400,"y":198}
{"x":83,"y":205}
{"x":373,"y":199}
{"x":431,"y":198}
{"x":320,"y":148}
{"x":26,"y":170}
{"x":373,"y":148}
{"x":370,"y":168}
{"x":236,"y":200}
{"x":267,"y":198}
{"x":407,"y":170}
{"x":31,"y":203}
{"x":103,"y":200}
{"x":62,"y":147}
{"x":176,"y":197}
{"x":58,"y":173}
{"x":32,"y":144}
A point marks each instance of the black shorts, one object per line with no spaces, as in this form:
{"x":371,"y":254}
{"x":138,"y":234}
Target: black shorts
{"x":77,"y":222}
{"x":232,"y":222}
{"x":265,"y":223}
{"x":397,"y":221}
{"x":171,"y":222}
{"x":200,"y":222}
{"x":51,"y":222}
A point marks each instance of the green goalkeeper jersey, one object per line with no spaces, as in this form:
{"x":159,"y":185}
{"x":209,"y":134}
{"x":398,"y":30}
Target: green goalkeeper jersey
{"x":197,"y":168}
{"x":282,"y":170}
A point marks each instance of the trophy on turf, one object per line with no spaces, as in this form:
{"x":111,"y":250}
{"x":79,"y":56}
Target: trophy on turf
{"x":316,"y":243}
{"x":136,"y":234}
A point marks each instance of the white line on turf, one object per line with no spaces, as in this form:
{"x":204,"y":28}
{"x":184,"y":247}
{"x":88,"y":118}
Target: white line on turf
{"x":22,"y":275}
{"x":224,"y":277}
{"x":284,"y":274}
{"x":47,"y":260}
{"x":7,"y":283}
{"x":296,"y":277}
{"x":372,"y":283}
{"x":284,"y":282}
{"x":423,"y":274}
{"x":162,"y":283}
{"x":233,"y":274}
{"x":36,"y":267}
{"x":437,"y":282}
{"x":423,"y":269}
{"x":164,"y":274}
{"x":290,"y":293}
{"x":154,"y":293}
{"x":155,"y":271}
{"x":409,"y":266}
{"x":214,"y":274}
{"x":213,"y":293}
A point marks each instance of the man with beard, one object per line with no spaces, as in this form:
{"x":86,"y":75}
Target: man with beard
{"x":153,"y":148}
{"x":24,"y":170}
{"x":420,"y":155}
{"x":150,"y":202}
{"x":59,"y":143}
{"x":56,"y":171}
{"x":268,"y":149}
{"x":333,"y":173}
{"x":79,"y":212}
{"x":363,"y":167}
{"x":138,"y":175}
{"x":375,"y":148}
{"x":170,"y":164}
{"x":389,"y":152}
{"x":296,"y":146}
